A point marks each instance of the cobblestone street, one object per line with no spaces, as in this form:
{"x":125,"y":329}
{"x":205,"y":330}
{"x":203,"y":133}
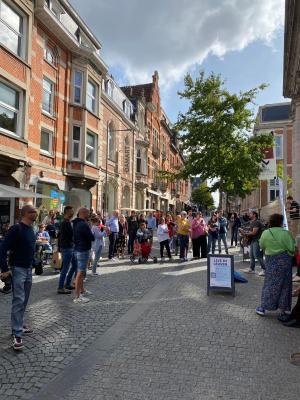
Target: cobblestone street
{"x":149,"y":332}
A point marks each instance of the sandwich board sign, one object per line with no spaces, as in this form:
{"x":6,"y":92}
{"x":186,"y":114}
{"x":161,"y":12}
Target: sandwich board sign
{"x":220,"y":273}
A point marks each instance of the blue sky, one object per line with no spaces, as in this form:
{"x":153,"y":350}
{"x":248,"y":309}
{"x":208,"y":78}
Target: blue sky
{"x":240,"y":39}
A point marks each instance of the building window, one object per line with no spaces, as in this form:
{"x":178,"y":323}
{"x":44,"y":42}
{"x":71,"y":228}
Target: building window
{"x":76,"y":140}
{"x":48,"y":93}
{"x":78,"y":79}
{"x":279,"y":147}
{"x":54,"y":7}
{"x":155,"y":137}
{"x":91,"y":96}
{"x":273,"y":189}
{"x":91,"y":148}
{"x":10,"y":100}
{"x":49,"y":55}
{"x":11,"y":29}
{"x":111,"y":144}
{"x":46,"y":141}
{"x":139,"y":161}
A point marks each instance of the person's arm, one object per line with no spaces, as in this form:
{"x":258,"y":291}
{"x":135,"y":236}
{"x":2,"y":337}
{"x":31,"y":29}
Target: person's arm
{"x":88,"y":233}
{"x":253,"y":232}
{"x":262,"y":240}
{"x":7,"y":245}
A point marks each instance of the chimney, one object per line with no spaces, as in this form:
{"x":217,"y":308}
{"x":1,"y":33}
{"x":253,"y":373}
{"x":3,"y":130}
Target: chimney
{"x":155,"y":78}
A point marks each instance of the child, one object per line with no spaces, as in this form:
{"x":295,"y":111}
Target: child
{"x":143,"y":234}
{"x":163,"y":238}
{"x":97,"y":246}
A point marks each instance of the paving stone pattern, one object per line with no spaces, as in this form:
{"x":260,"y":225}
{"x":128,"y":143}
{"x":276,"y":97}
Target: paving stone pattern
{"x":193,"y":347}
{"x":62,"y":329}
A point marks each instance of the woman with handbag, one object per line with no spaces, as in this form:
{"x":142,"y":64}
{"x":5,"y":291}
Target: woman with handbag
{"x":279,"y":248}
{"x":198,"y":234}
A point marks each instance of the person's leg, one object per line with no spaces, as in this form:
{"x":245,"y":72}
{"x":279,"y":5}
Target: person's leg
{"x":209,"y":243}
{"x":186,"y":241}
{"x":161,"y":245}
{"x":79,"y":283}
{"x":203,"y":246}
{"x":213,"y":244}
{"x":82,"y":262}
{"x":258,"y":254}
{"x":19,"y":299}
{"x":72,"y":271}
{"x":232,"y":236}
{"x":27,"y":288}
{"x":295,"y":314}
{"x":97,"y":255}
{"x":194,"y":244}
{"x":252,"y":255}
{"x":219,"y":243}
{"x":66,"y":261}
{"x":224,"y":240}
{"x":235,"y":236}
{"x":168,"y":248}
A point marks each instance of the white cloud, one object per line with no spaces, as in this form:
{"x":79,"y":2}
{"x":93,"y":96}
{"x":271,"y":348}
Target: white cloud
{"x":170,"y":36}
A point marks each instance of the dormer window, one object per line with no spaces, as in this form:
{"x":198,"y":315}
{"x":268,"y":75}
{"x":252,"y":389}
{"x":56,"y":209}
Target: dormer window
{"x":109,"y":87}
{"x":55,"y":8}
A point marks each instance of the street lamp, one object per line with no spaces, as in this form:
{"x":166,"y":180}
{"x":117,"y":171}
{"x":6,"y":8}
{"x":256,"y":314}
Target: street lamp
{"x":106,"y":167}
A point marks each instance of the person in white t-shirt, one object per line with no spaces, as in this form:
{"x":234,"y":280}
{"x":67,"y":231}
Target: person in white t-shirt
{"x":163,"y":238}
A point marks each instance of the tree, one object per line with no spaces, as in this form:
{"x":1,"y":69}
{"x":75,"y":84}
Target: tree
{"x":202,"y":197}
{"x":215,"y":136}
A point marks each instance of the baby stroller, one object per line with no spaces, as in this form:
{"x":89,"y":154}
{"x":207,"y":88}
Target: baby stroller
{"x":43,"y":253}
{"x":142,"y":251}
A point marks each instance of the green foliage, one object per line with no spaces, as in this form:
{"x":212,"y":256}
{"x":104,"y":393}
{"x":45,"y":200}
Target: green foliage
{"x":215,"y":135}
{"x":203,"y":197}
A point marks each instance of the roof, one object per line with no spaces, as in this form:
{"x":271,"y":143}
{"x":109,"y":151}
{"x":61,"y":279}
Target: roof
{"x":144,"y":90}
{"x":274,"y":113}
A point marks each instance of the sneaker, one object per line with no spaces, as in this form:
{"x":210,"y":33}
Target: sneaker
{"x":283,"y":317}
{"x":27,"y":330}
{"x":81,"y":300}
{"x":86,"y":293}
{"x":262,"y":273}
{"x":249,"y":271}
{"x":185,"y":259}
{"x":95,"y":274}
{"x":162,"y":259}
{"x":17,"y":343}
{"x":64,"y":291}
{"x":85,"y":279}
{"x":260,"y":311}
{"x":70,"y":287}
{"x":296,"y":278}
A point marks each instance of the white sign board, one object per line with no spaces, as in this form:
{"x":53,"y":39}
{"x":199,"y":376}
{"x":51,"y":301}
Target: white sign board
{"x":268,"y":165}
{"x":220,"y":272}
{"x":282,"y":203}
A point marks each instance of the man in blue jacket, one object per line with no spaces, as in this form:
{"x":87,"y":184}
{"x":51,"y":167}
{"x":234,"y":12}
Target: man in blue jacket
{"x":83,"y":239}
{"x":20,"y":242}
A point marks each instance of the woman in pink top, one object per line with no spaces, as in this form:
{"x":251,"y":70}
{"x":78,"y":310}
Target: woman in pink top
{"x":198,"y":234}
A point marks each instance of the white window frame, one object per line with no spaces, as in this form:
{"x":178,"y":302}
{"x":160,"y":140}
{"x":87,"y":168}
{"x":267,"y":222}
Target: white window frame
{"x":51,"y":96}
{"x":22,"y":35}
{"x":19,"y":111}
{"x":55,"y":8}
{"x":91,"y":81}
{"x":48,"y":50}
{"x":48,"y":152}
{"x":76,"y":141}
{"x":95,"y":148}
{"x":77,"y":86}
{"x":281,"y":147}
{"x":272,"y":186}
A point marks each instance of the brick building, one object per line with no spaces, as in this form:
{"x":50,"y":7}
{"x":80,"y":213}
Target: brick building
{"x":274,"y":118}
{"x":67,"y":131}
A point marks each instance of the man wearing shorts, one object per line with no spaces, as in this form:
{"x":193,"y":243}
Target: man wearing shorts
{"x":83,"y":239}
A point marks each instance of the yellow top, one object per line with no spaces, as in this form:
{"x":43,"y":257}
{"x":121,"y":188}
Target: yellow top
{"x":184,"y":226}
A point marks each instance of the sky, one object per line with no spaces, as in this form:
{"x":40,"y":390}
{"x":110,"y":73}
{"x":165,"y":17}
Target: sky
{"x":240,"y":39}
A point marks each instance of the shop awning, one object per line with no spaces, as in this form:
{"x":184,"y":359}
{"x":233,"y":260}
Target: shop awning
{"x":11,"y":191}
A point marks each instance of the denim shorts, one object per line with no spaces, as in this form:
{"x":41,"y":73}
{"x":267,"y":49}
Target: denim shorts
{"x":82,"y":258}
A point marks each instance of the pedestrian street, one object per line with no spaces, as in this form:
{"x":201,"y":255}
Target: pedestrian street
{"x":149,"y":332}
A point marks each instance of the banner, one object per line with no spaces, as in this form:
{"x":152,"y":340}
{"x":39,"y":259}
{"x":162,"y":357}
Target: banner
{"x":282,"y":203}
{"x":268,"y":164}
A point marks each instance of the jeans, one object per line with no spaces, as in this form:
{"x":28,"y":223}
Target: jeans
{"x":82,"y":258}
{"x":131,"y":239}
{"x":164,"y":243}
{"x":184,"y":245}
{"x":222,"y":238}
{"x":212,"y":240}
{"x":112,"y":244}
{"x":234,"y":235}
{"x":21,"y":284}
{"x":97,"y":256}
{"x":256,"y":253}
{"x":68,"y":257}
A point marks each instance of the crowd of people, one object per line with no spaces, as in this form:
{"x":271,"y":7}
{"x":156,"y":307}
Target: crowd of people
{"x":81,"y":241}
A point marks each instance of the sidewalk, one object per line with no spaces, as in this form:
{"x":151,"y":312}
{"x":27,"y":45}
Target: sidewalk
{"x":147,"y":334}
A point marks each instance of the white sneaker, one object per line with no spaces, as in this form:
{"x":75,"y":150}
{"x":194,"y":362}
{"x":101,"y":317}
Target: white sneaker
{"x":262,"y":273}
{"x":85,"y":279}
{"x":81,"y":300}
{"x":86,"y":293}
{"x":249,"y":271}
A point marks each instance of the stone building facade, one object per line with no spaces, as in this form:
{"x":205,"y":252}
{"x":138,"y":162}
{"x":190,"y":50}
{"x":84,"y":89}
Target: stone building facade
{"x":67,"y":131}
{"x":291,"y":82}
